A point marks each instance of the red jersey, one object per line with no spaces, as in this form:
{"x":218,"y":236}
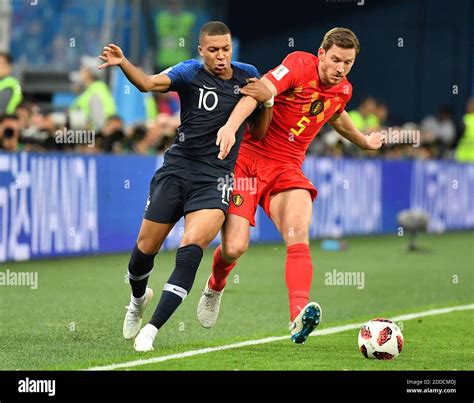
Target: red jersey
{"x":302,"y":106}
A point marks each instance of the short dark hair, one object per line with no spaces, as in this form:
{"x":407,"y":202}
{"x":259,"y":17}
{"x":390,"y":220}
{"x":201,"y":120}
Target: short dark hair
{"x":341,"y":37}
{"x":7,"y":56}
{"x":8,"y":117}
{"x":214,"y":28}
{"x":367,"y":98}
{"x":114,"y":117}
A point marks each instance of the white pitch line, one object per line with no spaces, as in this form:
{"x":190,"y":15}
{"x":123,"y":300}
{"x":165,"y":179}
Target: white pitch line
{"x":330,"y":330}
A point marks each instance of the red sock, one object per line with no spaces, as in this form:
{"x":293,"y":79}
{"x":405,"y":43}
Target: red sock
{"x":220,"y":271}
{"x":299,"y":274}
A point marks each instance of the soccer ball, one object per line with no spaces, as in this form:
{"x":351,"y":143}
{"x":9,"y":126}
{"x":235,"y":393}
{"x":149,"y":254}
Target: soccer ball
{"x":381,"y":339}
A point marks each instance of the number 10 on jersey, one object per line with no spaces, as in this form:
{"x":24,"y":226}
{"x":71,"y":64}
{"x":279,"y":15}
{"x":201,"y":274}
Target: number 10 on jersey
{"x":209,"y":104}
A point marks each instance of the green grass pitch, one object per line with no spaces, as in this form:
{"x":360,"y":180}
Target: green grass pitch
{"x":73,"y":320}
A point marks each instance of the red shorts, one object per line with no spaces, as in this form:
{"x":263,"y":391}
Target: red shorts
{"x":256,"y":179}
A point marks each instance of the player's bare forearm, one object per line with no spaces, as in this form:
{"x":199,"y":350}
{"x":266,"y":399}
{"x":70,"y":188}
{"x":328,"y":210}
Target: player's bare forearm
{"x":136,"y":76}
{"x":262,"y":91}
{"x":112,"y":55}
{"x":259,"y":126}
{"x":345,"y":127}
{"x":241,"y":112}
{"x":226,"y":134}
{"x":343,"y":124}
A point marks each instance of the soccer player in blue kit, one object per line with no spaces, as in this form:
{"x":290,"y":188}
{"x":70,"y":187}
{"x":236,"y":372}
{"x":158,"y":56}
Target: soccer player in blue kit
{"x":190,"y":181}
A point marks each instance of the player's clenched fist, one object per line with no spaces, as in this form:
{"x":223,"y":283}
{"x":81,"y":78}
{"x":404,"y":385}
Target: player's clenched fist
{"x":257,"y":90}
{"x":225,"y":139}
{"x":374,"y":141}
{"x":112,"y":55}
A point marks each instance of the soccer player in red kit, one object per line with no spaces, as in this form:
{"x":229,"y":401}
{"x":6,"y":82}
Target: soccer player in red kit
{"x":308,"y":92}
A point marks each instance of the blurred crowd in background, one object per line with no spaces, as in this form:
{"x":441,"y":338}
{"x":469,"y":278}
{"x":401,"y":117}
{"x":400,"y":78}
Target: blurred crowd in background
{"x":437,"y":136}
{"x":30,"y":124}
{"x":26,"y":126}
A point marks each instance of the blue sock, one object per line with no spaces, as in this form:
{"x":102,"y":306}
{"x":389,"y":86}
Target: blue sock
{"x":179,"y":284}
{"x":139,"y":269}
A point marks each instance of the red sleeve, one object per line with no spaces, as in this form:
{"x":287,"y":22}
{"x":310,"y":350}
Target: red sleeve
{"x":288,"y":73}
{"x":345,"y":96}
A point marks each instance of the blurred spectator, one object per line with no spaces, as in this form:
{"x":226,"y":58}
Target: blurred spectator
{"x":139,"y":143}
{"x":10,"y":89}
{"x":440,"y":128}
{"x":465,"y":147}
{"x":174,"y":29}
{"x":167,"y":103}
{"x":112,"y":135}
{"x":40,"y":133}
{"x":381,"y":114}
{"x":9,"y":133}
{"x":24,"y":113}
{"x":95,"y":104}
{"x":364,"y":117}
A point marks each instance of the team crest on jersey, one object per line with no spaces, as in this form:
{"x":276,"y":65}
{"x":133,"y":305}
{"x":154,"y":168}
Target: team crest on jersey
{"x":238,"y":200}
{"x":316,"y":107}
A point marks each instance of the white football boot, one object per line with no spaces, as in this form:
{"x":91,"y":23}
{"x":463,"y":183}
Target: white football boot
{"x":134,"y":316}
{"x":307,"y":320}
{"x":145,"y":339}
{"x":208,"y":307}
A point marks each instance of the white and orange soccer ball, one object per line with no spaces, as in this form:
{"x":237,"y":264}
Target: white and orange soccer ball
{"x":381,"y":339}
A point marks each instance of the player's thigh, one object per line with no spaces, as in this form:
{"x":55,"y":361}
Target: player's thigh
{"x":152,"y":235}
{"x":246,"y":190}
{"x":202,"y":226}
{"x":165,"y":202}
{"x":235,"y":236}
{"x":291,"y":212}
{"x":163,"y":209}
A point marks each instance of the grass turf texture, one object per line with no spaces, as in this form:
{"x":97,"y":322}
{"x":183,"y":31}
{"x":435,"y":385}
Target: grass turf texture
{"x":74,"y":319}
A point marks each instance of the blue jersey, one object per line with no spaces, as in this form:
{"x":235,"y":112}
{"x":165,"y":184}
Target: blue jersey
{"x":206,"y":103}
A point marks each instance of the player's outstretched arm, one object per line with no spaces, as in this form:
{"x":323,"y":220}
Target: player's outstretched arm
{"x":343,"y":124}
{"x":112,"y":55}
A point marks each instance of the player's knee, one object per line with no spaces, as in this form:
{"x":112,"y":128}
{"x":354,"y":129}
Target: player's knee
{"x":296,"y":233}
{"x":147,"y":245}
{"x":234,"y":249}
{"x":194,"y":238}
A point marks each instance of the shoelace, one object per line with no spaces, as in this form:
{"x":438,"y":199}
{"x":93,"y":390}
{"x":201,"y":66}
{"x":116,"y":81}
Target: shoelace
{"x":133,"y":312}
{"x":209,"y":302}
